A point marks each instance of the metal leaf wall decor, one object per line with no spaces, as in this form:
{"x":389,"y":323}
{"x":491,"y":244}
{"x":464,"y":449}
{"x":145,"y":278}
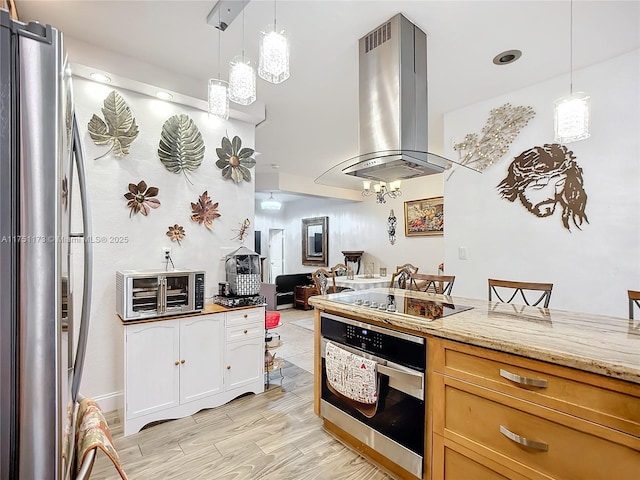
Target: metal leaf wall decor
{"x":176,"y":233}
{"x":181,"y":146}
{"x":543,"y":178}
{"x":141,"y":198}
{"x":502,"y":128}
{"x":119,"y":127}
{"x":235,"y":161}
{"x":204,"y":211}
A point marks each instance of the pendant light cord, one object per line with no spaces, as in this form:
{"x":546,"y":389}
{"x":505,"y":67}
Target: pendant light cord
{"x":571,"y":49}
{"x":219,"y":40}
{"x":243,"y":31}
{"x":275,"y":17}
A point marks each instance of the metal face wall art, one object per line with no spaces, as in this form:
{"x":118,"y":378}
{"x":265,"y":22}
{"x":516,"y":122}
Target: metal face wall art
{"x":543,"y":178}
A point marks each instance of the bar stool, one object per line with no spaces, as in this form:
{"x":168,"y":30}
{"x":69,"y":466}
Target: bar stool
{"x":523,"y":288}
{"x":423,"y":282}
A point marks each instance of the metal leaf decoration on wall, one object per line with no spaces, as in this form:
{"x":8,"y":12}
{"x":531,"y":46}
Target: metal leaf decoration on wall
{"x":141,"y":198}
{"x":502,"y":127}
{"x":181,"y":146}
{"x":176,"y":233}
{"x":543,"y":178}
{"x":204,"y":211}
{"x":119,"y":127}
{"x":235,"y":161}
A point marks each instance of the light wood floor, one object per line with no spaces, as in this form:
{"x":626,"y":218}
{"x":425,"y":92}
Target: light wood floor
{"x":274,"y":435}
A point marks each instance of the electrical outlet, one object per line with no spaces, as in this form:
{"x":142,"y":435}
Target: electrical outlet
{"x":166,"y":253}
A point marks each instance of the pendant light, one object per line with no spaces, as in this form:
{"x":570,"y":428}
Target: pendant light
{"x":571,"y":112}
{"x":242,"y":77}
{"x":271,"y":204}
{"x":273,"y":65}
{"x":218,"y":91}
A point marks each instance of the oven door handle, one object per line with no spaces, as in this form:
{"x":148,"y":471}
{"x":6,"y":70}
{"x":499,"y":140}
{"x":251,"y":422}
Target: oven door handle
{"x":401,"y":378}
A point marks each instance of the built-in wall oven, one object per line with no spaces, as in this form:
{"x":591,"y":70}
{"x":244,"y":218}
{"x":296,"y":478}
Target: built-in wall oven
{"x":397,"y":430}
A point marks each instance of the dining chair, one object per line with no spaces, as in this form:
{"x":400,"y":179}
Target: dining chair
{"x":525,"y":289}
{"x":340,"y":270}
{"x":401,"y":275}
{"x":634,"y":302}
{"x":431,"y":283}
{"x":325,"y":282}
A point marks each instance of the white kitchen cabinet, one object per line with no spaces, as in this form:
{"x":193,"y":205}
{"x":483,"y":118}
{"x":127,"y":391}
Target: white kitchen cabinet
{"x":175,"y":368}
{"x":245,"y":349}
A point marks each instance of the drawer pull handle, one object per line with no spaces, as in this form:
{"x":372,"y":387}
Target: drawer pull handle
{"x":182,"y":361}
{"x":246,"y":331}
{"x":228,"y":367}
{"x":534,"y":382}
{"x":245,"y":315}
{"x":523,"y":441}
{"x":177,"y":362}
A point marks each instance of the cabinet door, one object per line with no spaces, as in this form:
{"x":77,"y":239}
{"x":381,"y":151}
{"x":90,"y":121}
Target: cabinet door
{"x":152,"y":373}
{"x":201,"y":356}
{"x":245,"y":363}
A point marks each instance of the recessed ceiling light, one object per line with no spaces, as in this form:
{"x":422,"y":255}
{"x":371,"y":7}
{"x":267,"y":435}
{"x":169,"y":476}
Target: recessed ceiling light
{"x":507,"y":57}
{"x":164,"y":95}
{"x":100,"y":77}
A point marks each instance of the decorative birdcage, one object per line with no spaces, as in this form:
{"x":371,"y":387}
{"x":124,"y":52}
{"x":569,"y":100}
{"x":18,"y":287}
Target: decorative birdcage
{"x":243,"y":272}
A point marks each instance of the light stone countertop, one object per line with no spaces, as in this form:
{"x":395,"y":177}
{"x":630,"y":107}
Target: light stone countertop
{"x":595,"y":343}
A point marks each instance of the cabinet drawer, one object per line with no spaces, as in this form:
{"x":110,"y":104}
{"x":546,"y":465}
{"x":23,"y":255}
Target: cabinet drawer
{"x":243,"y":331}
{"x":606,"y":401}
{"x":245,"y":315}
{"x":556,"y":450}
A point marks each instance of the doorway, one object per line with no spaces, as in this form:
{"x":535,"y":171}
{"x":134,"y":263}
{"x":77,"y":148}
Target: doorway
{"x":276,"y":253}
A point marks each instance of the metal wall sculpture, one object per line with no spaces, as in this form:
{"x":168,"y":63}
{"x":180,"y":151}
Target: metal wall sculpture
{"x":543,"y":178}
{"x":181,"y":146}
{"x":392,"y":221}
{"x":204,"y":211}
{"x":176,"y":233}
{"x":118,"y":127}
{"x":502,"y":127}
{"x":141,"y":198}
{"x":235,"y":161}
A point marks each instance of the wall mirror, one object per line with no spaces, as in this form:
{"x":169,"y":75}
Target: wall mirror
{"x":315,"y":245}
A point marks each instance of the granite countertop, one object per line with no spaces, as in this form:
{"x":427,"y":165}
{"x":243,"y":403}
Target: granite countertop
{"x":595,"y":343}
{"x":208,"y":309}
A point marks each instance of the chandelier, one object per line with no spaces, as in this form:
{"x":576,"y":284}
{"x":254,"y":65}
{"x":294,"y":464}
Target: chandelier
{"x":381,"y":190}
{"x":271,"y":203}
{"x":571,"y":113}
{"x":218,"y":91}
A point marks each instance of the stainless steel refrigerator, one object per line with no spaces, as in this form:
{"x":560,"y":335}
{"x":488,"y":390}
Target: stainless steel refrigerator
{"x":42,"y":339}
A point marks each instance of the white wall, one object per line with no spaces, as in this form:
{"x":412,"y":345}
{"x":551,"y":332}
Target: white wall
{"x":360,"y":226}
{"x":592,"y":268}
{"x":136,"y":241}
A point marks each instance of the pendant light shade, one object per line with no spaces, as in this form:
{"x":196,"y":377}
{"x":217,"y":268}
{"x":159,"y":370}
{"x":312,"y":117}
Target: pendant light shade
{"x":218,"y":98}
{"x":274,"y":56}
{"x":271,"y":203}
{"x":572,"y":112}
{"x":572,"y":117}
{"x":242,"y":81}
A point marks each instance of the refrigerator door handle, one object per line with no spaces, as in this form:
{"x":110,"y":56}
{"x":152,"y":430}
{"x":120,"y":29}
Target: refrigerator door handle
{"x":88,"y":263}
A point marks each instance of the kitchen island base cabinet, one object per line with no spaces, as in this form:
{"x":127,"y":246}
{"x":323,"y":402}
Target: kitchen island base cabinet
{"x":175,"y":368}
{"x":504,"y":416}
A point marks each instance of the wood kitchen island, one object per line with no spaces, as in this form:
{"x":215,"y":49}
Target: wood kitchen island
{"x":511,"y":391}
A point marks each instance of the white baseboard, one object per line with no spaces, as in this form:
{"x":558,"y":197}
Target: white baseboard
{"x":110,"y":401}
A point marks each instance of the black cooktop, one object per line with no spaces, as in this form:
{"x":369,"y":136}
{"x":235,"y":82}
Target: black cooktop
{"x":416,"y":307}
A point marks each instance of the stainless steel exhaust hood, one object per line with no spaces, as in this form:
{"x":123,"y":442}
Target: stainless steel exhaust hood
{"x":393,"y":105}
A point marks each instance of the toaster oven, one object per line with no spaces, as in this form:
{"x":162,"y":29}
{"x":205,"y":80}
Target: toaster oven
{"x":142,"y":294}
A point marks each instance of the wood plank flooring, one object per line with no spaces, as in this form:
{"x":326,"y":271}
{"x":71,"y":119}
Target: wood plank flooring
{"x":274,"y":435}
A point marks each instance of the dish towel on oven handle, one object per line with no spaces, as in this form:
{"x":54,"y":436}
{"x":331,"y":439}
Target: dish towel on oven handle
{"x":353,"y":377}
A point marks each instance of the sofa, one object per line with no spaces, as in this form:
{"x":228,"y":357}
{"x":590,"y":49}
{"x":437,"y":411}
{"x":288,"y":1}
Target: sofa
{"x":279,"y":295}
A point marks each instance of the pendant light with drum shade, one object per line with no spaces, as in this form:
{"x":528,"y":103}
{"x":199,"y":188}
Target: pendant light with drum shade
{"x":273,"y":65}
{"x":571,"y":112}
{"x":218,"y":91}
{"x":271,"y":203}
{"x":242,"y":77}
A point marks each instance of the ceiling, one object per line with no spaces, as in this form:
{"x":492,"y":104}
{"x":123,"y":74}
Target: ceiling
{"x":311,"y":119}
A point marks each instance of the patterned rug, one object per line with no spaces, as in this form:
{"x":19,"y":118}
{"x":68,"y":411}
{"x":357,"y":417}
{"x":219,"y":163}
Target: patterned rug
{"x":306,"y":323}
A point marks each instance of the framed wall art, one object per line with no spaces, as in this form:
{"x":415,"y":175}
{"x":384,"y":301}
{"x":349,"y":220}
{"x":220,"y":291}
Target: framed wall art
{"x":424,"y":217}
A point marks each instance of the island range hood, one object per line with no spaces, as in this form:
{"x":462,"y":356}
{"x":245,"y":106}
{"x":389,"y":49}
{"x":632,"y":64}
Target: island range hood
{"x":393,"y":105}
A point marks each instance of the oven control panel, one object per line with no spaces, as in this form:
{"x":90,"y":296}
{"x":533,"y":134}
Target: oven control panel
{"x":363,"y":338}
